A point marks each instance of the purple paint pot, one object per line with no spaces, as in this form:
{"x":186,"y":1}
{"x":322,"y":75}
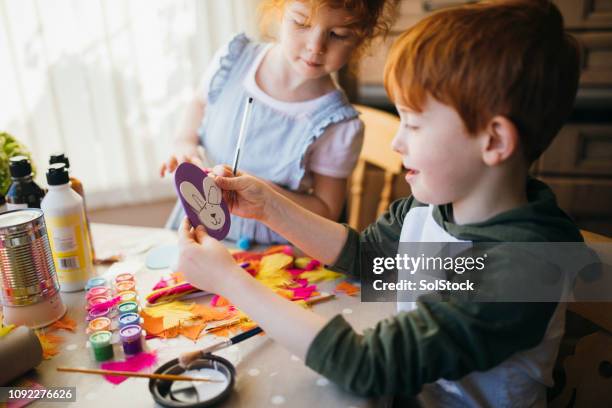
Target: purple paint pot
{"x":95,"y":313}
{"x":131,"y":339}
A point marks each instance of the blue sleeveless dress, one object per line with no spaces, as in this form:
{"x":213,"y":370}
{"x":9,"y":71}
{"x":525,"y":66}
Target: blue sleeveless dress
{"x":276,"y":143}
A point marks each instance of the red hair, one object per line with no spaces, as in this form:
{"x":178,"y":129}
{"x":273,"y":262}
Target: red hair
{"x":508,"y":58}
{"x":371,"y":18}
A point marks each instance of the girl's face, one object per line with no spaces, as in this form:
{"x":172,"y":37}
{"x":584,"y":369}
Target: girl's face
{"x":318,"y":45}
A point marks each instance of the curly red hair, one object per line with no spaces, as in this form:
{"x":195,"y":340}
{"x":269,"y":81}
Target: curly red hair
{"x":371,"y":18}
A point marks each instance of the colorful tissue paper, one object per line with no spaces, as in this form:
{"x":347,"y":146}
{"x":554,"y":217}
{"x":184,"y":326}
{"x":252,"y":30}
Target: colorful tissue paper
{"x":50,"y":343}
{"x":347,"y":288}
{"x":174,"y":318}
{"x":4,"y":330}
{"x":65,"y":323}
{"x":291,"y":277}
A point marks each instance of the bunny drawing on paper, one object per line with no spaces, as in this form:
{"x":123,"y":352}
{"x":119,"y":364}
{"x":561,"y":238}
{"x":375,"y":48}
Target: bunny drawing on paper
{"x":202,"y":200}
{"x":208,"y":207}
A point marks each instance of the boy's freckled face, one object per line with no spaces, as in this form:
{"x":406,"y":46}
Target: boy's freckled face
{"x":443,"y":161}
{"x":317,"y":46}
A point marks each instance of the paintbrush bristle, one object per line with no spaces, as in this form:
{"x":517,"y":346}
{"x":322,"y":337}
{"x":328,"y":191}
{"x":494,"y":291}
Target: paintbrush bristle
{"x":186,"y":359}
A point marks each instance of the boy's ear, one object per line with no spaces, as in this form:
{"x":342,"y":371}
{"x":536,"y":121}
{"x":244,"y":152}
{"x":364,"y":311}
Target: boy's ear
{"x":500,"y":140}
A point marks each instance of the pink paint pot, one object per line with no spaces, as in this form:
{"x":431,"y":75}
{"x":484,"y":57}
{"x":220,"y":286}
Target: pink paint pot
{"x":97,"y":291}
{"x":96,"y":300}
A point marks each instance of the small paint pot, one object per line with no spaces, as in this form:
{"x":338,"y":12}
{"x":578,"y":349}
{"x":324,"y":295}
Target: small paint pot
{"x":128,"y":296}
{"x":96,"y":300}
{"x":129,"y":319}
{"x":101,"y":345}
{"x":131,"y":339}
{"x":95,"y":313}
{"x":124,"y":277}
{"x":96,"y":281}
{"x":97,"y":291}
{"x":99,"y":324}
{"x":128,"y":307}
{"x":125,"y":286}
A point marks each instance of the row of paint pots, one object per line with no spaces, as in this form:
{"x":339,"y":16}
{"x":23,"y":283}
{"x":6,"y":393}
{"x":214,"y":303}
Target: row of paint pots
{"x":98,"y":292}
{"x":125,"y":317}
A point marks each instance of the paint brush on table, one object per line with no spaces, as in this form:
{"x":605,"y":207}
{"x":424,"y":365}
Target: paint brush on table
{"x":186,"y":359}
{"x":167,"y":377}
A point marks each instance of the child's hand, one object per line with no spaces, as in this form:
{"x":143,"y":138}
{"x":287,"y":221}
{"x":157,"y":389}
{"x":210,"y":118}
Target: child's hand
{"x":185,"y":152}
{"x":204,"y":261}
{"x":246,"y":195}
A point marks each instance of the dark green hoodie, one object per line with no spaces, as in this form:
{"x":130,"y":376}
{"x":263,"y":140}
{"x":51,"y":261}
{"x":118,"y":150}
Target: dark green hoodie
{"x":439,"y":339}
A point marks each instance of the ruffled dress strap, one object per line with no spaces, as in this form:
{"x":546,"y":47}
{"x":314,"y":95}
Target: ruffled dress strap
{"x":336,"y":110}
{"x":235,"y":49}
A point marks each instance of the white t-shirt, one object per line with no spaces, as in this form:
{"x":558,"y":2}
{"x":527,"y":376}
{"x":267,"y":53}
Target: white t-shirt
{"x":333,"y":154}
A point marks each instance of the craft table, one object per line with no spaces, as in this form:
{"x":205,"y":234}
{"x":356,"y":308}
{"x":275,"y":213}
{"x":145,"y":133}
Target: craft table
{"x":267,"y":374}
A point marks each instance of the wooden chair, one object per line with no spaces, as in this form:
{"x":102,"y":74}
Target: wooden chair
{"x":588,"y":367}
{"x":380,"y":128}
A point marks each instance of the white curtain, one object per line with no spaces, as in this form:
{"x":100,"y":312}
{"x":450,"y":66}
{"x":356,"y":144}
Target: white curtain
{"x":106,"y":82}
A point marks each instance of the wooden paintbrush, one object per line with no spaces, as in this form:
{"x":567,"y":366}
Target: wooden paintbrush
{"x":168,"y":377}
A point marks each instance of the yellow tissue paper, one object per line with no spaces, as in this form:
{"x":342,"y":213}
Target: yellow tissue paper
{"x":320,"y":274}
{"x":271,"y":264}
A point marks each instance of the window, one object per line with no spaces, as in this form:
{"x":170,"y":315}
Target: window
{"x":106,"y":82}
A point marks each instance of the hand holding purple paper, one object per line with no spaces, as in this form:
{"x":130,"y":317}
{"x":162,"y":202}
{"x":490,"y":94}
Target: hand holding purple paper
{"x":202,"y":200}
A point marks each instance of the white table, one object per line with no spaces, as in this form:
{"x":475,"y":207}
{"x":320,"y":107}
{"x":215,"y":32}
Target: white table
{"x":264,"y":369}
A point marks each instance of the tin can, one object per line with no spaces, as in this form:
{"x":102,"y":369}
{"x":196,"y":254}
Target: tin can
{"x":29,"y":288}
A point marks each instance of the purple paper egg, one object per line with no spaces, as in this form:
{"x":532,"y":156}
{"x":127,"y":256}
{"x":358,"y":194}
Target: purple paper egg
{"x":202,"y":200}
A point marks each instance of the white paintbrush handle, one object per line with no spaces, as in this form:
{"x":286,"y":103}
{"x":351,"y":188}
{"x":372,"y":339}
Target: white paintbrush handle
{"x":241,"y":135}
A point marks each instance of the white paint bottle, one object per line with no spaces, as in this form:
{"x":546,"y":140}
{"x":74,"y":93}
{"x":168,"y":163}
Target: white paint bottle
{"x":67,"y":230}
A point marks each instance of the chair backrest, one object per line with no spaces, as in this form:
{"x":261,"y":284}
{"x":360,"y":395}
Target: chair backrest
{"x":380,"y":128}
{"x":585,"y":355}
